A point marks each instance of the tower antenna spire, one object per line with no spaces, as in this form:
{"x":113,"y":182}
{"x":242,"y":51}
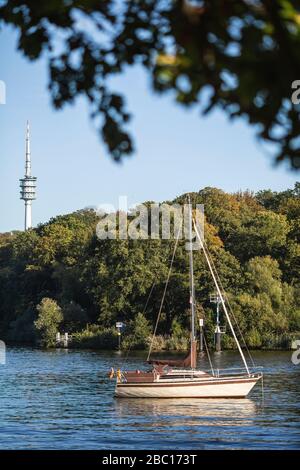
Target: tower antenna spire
{"x":28,"y":183}
{"x":28,"y":157}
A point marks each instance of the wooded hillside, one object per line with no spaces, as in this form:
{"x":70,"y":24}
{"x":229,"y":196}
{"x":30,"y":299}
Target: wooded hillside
{"x":59,"y":276}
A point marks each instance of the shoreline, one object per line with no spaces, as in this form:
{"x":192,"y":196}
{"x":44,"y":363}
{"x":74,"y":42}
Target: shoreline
{"x":156,"y":351}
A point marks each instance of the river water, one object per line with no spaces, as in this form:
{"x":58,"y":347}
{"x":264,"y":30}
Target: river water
{"x":63,"y":399}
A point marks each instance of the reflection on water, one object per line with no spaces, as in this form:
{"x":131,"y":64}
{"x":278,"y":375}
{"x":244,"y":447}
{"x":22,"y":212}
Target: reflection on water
{"x":221,"y":412}
{"x":64,"y":400}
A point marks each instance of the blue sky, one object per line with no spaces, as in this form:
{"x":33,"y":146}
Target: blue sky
{"x":177,"y":150}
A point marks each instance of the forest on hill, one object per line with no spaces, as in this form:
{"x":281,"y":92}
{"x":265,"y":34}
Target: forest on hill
{"x":61,"y":277}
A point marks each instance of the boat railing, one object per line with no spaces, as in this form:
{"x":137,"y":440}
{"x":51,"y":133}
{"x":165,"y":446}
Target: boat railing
{"x":186,"y":374}
{"x":237,"y":371}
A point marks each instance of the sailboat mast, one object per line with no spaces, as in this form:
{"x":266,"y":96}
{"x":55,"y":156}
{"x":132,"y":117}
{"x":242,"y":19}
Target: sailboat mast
{"x":222,"y":299}
{"x":192,"y":288}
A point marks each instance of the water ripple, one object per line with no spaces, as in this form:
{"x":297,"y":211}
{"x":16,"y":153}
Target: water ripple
{"x":64,"y":400}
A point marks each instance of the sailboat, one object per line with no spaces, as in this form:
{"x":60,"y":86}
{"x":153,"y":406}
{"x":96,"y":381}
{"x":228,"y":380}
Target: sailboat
{"x":180,"y":378}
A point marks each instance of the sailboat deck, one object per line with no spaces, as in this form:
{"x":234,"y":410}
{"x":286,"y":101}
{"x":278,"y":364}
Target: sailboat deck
{"x":182,"y":376}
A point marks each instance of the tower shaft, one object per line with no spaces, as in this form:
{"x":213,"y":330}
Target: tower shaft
{"x":28,"y":216}
{"x":28,"y":184}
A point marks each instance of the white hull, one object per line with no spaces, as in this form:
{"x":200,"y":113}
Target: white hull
{"x":237,"y":387}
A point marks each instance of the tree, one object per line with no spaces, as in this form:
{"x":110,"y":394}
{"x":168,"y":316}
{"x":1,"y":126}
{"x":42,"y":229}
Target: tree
{"x":244,"y":53}
{"x":268,"y":301}
{"x":285,"y":202}
{"x":49,"y":318}
{"x":22,"y":329}
{"x":264,"y":276}
{"x":255,"y":250}
{"x":74,"y":317}
{"x":265,"y":233}
{"x":139,"y":333}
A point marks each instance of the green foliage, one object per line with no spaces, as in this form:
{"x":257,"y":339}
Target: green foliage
{"x":253,"y":339}
{"x":95,"y":337}
{"x":264,"y":234}
{"x":74,"y":317}
{"x":179,"y":338}
{"x":254,"y":243}
{"x":139,"y":333}
{"x":244,"y":52}
{"x":49,"y":318}
{"x":22,"y":330}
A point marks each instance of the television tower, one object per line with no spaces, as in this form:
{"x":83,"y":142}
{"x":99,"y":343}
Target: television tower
{"x":28,"y":184}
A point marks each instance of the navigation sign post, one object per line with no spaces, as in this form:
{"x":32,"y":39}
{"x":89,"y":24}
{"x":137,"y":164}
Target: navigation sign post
{"x":201,"y":324}
{"x":215,"y":299}
{"x":119,"y":325}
